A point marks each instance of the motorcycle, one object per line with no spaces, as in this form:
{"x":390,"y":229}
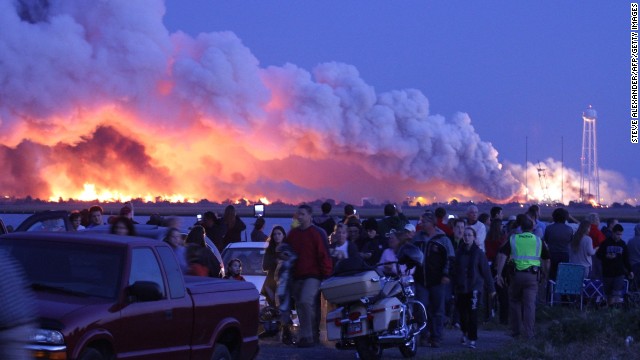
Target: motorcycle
{"x":375,"y":312}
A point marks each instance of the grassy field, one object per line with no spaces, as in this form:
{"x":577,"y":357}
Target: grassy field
{"x":567,"y":333}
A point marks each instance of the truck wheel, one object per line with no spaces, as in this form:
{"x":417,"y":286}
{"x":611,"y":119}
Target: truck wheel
{"x":90,"y":354}
{"x":368,"y":349}
{"x":220,"y":352}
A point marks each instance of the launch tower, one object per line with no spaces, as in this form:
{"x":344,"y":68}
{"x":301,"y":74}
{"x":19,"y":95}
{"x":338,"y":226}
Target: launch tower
{"x":589,"y":178}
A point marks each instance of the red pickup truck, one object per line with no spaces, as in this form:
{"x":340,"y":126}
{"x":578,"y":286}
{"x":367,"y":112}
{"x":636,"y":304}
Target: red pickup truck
{"x":108,"y":297}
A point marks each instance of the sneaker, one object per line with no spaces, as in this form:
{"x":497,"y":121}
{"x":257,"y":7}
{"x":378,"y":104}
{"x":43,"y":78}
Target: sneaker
{"x":472,"y":344}
{"x":463,"y":340}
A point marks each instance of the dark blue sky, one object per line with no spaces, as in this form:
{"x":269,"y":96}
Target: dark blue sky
{"x":517,"y":68}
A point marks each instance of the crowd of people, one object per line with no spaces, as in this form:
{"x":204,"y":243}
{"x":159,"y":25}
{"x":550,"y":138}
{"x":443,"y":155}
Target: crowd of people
{"x":473,"y":264}
{"x":194,"y":255}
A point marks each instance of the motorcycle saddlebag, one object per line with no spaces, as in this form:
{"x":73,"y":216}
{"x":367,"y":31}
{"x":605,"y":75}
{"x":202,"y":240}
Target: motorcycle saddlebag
{"x":337,"y":330}
{"x":385,"y":312}
{"x":346,"y":289}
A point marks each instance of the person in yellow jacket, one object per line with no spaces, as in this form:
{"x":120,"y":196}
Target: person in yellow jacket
{"x":529,"y":257}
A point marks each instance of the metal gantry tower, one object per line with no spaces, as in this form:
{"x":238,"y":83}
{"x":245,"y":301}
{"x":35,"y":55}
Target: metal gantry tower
{"x":542,"y":175}
{"x":589,"y":178}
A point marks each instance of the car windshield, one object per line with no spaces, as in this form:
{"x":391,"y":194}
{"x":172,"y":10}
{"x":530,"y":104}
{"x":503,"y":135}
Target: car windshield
{"x":53,"y":224}
{"x":251,"y":259}
{"x":68,"y":268}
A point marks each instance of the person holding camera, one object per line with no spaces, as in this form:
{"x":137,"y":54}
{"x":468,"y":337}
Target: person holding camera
{"x":258,"y":235}
{"x":393,"y":219}
{"x":529,"y":257}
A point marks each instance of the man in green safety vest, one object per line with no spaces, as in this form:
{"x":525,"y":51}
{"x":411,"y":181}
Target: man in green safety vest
{"x":530,"y":257}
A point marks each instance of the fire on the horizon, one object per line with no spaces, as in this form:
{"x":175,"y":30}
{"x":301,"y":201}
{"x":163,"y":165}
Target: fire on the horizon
{"x":123,"y":111}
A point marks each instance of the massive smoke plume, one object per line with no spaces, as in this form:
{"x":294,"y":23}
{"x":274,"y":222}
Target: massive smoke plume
{"x":99,"y":92}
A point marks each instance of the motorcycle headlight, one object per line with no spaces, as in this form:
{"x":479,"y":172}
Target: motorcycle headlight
{"x":45,"y":336}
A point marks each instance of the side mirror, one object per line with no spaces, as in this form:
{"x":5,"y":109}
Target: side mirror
{"x":142,"y":291}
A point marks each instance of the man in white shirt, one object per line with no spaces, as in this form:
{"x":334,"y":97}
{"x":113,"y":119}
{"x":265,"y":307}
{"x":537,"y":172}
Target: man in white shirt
{"x":480,"y":228}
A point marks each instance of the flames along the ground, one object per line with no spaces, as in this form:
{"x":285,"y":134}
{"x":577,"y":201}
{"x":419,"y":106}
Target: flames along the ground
{"x":187,"y":166}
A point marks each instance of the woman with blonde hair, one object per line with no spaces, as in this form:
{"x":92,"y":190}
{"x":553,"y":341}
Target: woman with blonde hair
{"x":388,"y":259}
{"x":581,"y":250}
{"x":340,"y":247}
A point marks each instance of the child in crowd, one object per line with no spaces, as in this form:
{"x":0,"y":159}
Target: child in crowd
{"x":235,"y":270}
{"x":471,"y":271}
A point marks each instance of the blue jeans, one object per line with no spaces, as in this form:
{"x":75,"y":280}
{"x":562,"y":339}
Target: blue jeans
{"x":433,"y":298}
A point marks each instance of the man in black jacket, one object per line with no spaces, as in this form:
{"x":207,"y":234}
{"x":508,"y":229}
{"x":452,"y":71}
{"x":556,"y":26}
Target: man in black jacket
{"x":432,"y":279}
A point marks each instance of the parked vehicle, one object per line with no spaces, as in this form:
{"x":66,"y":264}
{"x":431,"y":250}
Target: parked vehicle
{"x":3,"y":228}
{"x":58,"y":221}
{"x":102,"y":296}
{"x":49,"y":220}
{"x":251,"y":255}
{"x":374,"y":312}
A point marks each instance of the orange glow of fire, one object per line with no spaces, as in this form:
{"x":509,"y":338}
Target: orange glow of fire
{"x":438,"y":191}
{"x":91,"y":193}
{"x":191,"y":160}
{"x":206,"y":159}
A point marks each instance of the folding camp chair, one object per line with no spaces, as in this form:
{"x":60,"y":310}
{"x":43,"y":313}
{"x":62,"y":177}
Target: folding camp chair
{"x":568,"y":284}
{"x":632,"y":296}
{"x":594,"y":292}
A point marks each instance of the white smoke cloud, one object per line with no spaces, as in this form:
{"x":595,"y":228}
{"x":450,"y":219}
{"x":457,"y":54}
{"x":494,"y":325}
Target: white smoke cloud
{"x":69,"y":67}
{"x":548,"y":180}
